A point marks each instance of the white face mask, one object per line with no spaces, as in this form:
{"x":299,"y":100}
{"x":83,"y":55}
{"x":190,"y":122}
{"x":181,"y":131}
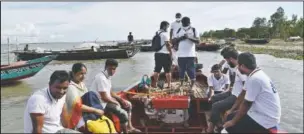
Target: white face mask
{"x":178,"y":19}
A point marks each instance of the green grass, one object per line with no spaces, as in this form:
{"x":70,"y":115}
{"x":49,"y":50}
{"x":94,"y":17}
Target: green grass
{"x":276,"y":52}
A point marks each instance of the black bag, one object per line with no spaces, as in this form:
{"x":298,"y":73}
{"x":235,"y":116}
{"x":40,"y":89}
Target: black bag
{"x":175,"y":42}
{"x":156,"y":42}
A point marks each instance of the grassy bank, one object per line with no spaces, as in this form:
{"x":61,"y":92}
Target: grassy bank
{"x":280,"y":51}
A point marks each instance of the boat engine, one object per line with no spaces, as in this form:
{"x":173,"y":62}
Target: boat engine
{"x":169,"y":110}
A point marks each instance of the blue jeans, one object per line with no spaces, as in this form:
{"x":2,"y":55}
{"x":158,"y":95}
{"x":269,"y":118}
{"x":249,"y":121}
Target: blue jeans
{"x":186,"y":64}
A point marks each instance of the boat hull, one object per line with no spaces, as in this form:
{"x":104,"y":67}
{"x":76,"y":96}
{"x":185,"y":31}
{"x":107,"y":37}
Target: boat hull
{"x":257,"y":41}
{"x":64,"y":56}
{"x":10,"y":73}
{"x":213,"y":47}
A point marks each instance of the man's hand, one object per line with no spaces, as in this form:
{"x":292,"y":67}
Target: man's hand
{"x":229,"y":124}
{"x":125,"y":104}
{"x":227,"y":113}
{"x":186,"y":36}
{"x":99,"y":112}
{"x":209,"y":99}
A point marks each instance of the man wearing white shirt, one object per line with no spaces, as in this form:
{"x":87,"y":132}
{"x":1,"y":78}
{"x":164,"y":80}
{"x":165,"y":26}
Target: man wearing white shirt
{"x":173,"y":30}
{"x":110,"y":101}
{"x":163,"y":57}
{"x":45,"y":111}
{"x":217,"y":81}
{"x":261,"y":108}
{"x":175,"y":25}
{"x":224,"y":101}
{"x":187,"y":38}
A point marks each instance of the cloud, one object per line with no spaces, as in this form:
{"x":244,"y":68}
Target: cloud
{"x":112,"y":21}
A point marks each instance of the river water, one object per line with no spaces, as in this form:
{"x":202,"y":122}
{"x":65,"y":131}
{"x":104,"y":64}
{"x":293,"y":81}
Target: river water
{"x":286,"y":74}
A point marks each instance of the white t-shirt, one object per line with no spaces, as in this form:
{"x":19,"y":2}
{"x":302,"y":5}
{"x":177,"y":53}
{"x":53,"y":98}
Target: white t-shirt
{"x":102,"y":83}
{"x":231,"y":70}
{"x":175,"y":26}
{"x":238,"y":83}
{"x":164,"y":37}
{"x":43,"y":102}
{"x":266,"y":107}
{"x":218,"y":84}
{"x":186,"y":48}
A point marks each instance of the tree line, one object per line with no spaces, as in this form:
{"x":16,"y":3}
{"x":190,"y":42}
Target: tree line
{"x":277,"y":26}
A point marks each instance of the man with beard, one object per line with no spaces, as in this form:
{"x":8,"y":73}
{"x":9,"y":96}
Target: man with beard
{"x":230,"y":69}
{"x":45,"y":111}
{"x":187,"y":38}
{"x":261,"y":108}
{"x":109,"y":100}
{"x":224,"y":101}
{"x":163,"y":57}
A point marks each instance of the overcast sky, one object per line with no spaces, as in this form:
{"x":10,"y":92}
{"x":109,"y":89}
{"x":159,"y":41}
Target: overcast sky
{"x":82,"y":21}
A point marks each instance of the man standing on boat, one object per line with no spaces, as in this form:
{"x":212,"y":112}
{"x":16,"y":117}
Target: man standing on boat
{"x":187,"y":38}
{"x":224,"y":101}
{"x":163,"y":57}
{"x":261,"y":108}
{"x":109,"y":100}
{"x":130,"y":38}
{"x":174,"y":27}
{"x":45,"y":111}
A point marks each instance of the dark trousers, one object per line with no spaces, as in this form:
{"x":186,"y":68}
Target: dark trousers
{"x":221,"y":103}
{"x":120,"y":112}
{"x":186,"y":64}
{"x":245,"y":125}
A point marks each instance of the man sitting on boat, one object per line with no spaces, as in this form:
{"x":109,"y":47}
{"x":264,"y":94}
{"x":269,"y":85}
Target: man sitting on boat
{"x":228,"y":69}
{"x":261,"y":108}
{"x":187,"y":38}
{"x":217,"y":81}
{"x":46,"y":109}
{"x":163,"y":57}
{"x":26,"y":48}
{"x":224,"y":101}
{"x":109,"y":100}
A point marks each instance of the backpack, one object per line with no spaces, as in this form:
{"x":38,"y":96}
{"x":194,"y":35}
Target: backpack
{"x":101,"y":125}
{"x":176,"y":43}
{"x":156,"y":42}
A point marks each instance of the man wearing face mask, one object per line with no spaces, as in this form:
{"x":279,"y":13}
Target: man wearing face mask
{"x":175,"y":25}
{"x":187,"y":38}
{"x":227,"y":100}
{"x":109,"y":100}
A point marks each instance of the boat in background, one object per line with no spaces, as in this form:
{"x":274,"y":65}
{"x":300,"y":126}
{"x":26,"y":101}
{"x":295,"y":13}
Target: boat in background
{"x":86,"y":51}
{"x":23,"y":69}
{"x":257,"y":41}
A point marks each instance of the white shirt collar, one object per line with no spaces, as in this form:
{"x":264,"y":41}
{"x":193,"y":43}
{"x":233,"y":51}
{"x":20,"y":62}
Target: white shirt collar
{"x":52,"y":99}
{"x":106,"y":74}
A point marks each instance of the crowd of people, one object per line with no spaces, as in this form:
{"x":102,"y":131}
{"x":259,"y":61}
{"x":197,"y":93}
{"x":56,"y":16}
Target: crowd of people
{"x":237,"y":87}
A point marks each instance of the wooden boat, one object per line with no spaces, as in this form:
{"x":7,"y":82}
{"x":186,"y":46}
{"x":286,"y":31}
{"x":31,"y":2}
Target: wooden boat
{"x":164,"y":111}
{"x":79,"y":55}
{"x":168,"y":111}
{"x":23,"y":69}
{"x":208,"y":47}
{"x":257,"y":41}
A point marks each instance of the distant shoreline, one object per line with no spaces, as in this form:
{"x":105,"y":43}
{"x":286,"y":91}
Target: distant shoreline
{"x":276,"y":48}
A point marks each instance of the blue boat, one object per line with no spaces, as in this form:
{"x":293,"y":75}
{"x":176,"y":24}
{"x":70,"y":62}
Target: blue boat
{"x":23,"y":69}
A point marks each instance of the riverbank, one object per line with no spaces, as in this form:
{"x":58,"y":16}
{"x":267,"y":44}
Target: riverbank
{"x":276,"y":48}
